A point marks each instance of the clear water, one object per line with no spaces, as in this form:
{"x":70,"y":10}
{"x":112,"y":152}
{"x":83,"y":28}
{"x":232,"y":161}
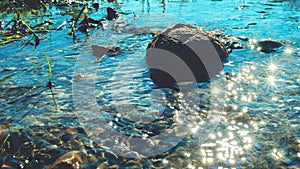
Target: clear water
{"x":259,"y":105}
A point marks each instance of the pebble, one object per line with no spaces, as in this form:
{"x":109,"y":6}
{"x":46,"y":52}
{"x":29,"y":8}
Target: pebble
{"x":103,"y":165}
{"x":6,"y":166}
{"x":70,"y":160}
{"x":298,"y":147}
{"x":71,"y":131}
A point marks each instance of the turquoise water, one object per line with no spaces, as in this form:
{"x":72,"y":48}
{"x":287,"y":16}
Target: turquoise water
{"x":257,"y":106}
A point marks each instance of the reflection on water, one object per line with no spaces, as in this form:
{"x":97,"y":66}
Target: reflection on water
{"x":256,"y":98}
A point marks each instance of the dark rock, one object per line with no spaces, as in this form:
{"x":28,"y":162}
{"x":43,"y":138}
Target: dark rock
{"x":34,"y":4}
{"x":111,"y":14}
{"x":80,"y":130}
{"x":10,"y":163}
{"x":13,"y":143}
{"x":1,"y":24}
{"x":202,"y":54}
{"x":96,"y":6}
{"x":66,"y":137}
{"x":268,"y":46}
{"x":83,"y":28}
{"x":112,"y":158}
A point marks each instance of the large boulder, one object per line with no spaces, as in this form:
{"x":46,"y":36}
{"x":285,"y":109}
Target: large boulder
{"x":184,"y":53}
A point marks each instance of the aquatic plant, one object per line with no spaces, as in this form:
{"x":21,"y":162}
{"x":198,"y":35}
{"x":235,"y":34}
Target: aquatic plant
{"x":50,"y":84}
{"x":19,"y":29}
{"x":20,"y":26}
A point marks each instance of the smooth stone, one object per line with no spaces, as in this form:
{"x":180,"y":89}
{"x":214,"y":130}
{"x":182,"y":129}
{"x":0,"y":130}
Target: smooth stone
{"x":268,"y":46}
{"x":298,"y":148}
{"x":70,"y":160}
{"x":6,"y":166}
{"x":201,"y":52}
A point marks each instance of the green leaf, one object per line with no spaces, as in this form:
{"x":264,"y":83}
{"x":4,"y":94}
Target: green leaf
{"x":49,"y":66}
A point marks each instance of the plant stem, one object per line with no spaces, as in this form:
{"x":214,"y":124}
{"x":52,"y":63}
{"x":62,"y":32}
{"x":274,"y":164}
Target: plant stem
{"x":50,"y":85}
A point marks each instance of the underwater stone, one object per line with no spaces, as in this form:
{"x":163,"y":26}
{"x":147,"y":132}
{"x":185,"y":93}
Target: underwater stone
{"x":111,"y":14}
{"x":70,"y":160}
{"x":298,"y":148}
{"x":13,"y":143}
{"x":200,"y":51}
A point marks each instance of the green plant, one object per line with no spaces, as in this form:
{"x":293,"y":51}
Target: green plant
{"x":50,"y":84}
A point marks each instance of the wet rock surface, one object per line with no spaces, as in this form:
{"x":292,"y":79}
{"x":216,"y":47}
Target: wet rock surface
{"x":182,"y":41}
{"x":268,"y":46}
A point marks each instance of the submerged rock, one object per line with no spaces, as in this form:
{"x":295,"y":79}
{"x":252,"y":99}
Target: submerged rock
{"x":202,"y":54}
{"x":111,"y":14}
{"x":70,"y":160}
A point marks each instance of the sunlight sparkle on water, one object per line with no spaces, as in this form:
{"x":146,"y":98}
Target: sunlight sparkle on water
{"x":212,"y":136}
{"x":271,"y":79}
{"x":288,"y":51}
{"x":210,"y":160}
{"x":277,"y":154}
{"x":238,"y":141}
{"x":194,"y":129}
{"x":272,"y":67}
{"x":191,"y":166}
{"x":252,"y":41}
{"x":187,"y":155}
